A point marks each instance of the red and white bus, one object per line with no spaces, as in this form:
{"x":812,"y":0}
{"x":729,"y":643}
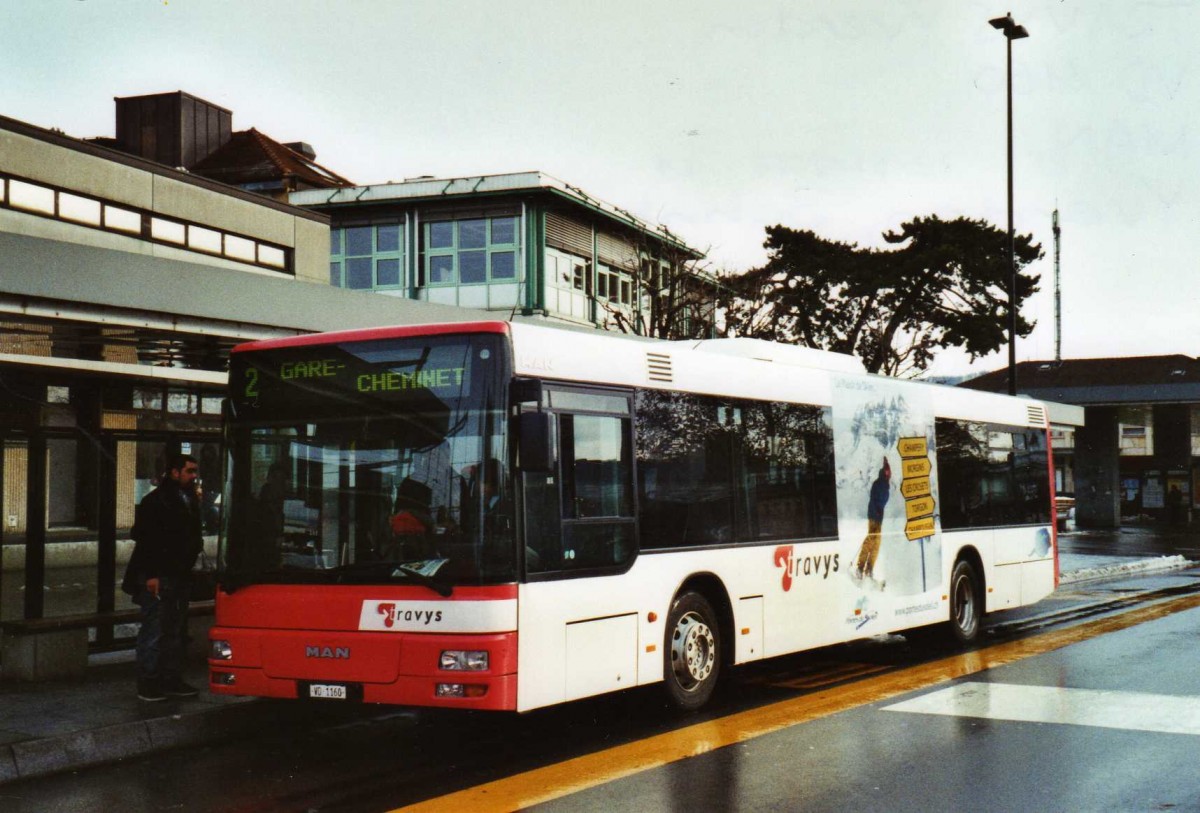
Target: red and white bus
{"x":498,"y":515}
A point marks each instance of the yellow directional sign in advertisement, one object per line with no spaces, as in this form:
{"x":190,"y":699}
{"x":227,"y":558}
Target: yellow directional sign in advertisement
{"x":918,"y":497}
{"x":918,"y":487}
{"x":920,"y":467}
{"x":919,"y":528}
{"x":919,"y":507}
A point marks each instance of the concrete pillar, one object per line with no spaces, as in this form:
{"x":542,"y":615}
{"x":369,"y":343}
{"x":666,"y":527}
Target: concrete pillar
{"x":1097,"y":470}
{"x":1173,"y":436}
{"x":1173,"y":456}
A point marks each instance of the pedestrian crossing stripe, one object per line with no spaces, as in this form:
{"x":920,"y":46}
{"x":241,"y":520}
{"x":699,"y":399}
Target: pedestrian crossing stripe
{"x":1129,"y":711}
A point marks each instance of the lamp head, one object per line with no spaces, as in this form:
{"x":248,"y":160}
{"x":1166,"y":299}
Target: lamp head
{"x":1009,"y":26}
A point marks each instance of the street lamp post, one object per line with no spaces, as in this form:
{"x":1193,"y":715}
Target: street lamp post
{"x":1012,"y":31}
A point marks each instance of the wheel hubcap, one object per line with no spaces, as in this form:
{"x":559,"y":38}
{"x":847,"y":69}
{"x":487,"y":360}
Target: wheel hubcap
{"x":693,"y":651}
{"x":964,"y":604}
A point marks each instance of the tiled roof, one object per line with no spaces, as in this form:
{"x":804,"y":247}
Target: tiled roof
{"x":252,"y":157}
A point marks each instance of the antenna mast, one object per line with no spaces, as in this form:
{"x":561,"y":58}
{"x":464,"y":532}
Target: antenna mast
{"x":1057,"y":294}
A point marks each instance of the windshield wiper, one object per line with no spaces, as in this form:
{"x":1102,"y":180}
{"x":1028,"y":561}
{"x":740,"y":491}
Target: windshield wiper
{"x":423,"y":573}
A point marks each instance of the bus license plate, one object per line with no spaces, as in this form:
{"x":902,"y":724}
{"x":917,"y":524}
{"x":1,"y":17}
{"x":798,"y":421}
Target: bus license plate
{"x":327,"y":691}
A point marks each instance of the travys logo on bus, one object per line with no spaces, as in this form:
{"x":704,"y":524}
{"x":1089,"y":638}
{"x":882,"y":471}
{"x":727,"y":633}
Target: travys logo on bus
{"x":793,"y":568}
{"x":393,"y":614}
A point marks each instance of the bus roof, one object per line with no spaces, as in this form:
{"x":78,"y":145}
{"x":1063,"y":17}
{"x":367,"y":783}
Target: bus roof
{"x":374,"y":333}
{"x":736,"y":368}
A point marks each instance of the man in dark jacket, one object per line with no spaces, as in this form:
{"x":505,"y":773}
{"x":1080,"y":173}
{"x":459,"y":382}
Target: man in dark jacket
{"x":168,"y":538}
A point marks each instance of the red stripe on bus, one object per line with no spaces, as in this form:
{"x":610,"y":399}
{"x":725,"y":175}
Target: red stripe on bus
{"x":373,"y":333}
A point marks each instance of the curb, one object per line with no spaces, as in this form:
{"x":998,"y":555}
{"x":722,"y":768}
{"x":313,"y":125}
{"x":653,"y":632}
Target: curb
{"x":81,"y":749}
{"x":1132,"y":567}
{"x":1092,"y":574}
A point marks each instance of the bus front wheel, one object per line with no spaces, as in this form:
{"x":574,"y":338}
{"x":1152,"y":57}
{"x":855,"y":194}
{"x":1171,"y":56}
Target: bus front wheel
{"x":692,"y":654}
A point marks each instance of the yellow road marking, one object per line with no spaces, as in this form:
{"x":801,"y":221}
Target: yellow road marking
{"x":816,"y":675}
{"x":818,"y":680}
{"x":564,"y":778}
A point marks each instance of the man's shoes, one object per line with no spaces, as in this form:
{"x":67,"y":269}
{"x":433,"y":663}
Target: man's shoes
{"x":150,"y":692}
{"x":179,"y":689}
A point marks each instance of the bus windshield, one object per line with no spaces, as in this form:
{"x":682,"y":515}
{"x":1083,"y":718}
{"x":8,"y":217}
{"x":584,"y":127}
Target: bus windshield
{"x":369,"y":462}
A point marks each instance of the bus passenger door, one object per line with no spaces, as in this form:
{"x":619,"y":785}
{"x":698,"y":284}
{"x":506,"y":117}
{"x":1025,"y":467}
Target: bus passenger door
{"x":578,"y":624}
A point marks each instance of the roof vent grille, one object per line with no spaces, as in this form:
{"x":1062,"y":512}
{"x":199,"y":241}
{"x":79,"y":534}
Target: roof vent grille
{"x":658,"y":367}
{"x":1036,"y":415}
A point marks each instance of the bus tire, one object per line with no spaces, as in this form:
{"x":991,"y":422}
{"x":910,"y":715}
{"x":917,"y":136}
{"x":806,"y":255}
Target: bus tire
{"x":966,"y":603}
{"x":692,"y":651}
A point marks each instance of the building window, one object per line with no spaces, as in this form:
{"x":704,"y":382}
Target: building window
{"x":1136,"y":431}
{"x":471,"y":252}
{"x":62,"y":204}
{"x":367,"y":257}
{"x":567,"y":272}
{"x":614,"y":287}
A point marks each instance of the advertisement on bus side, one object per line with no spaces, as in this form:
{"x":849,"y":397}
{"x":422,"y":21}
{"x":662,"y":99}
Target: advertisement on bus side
{"x":887,"y":500}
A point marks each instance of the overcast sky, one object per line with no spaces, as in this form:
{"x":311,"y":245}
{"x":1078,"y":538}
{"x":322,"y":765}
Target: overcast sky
{"x":715,"y":118}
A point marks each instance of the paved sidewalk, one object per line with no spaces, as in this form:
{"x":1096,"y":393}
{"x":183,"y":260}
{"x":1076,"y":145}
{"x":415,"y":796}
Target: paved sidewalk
{"x":62,"y":725}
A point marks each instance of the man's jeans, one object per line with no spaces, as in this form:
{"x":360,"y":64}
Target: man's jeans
{"x":160,"y":640}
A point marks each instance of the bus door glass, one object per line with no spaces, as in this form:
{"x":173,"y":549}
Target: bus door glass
{"x":580,"y":515}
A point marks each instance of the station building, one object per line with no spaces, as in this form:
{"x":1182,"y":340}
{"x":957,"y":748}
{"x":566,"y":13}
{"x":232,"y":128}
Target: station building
{"x":127,"y":273}
{"x":124,"y":283}
{"x":1137,"y":458}
{"x":521,"y":243}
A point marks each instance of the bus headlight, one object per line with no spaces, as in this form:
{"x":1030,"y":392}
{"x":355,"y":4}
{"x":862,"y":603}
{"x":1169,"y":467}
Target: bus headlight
{"x":464,"y":660}
{"x":220,"y":650}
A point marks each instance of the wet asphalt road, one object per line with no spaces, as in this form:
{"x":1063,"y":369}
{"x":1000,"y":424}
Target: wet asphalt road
{"x":867,"y":757}
{"x":877,"y":757}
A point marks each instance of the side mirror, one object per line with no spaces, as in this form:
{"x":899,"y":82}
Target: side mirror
{"x":535,"y":448}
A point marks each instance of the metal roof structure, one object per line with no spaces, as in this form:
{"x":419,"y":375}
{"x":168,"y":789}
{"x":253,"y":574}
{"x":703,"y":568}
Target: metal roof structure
{"x":429,"y":188}
{"x":1103,"y":381}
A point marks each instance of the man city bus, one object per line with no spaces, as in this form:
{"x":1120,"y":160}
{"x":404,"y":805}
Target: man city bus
{"x":506,"y":516}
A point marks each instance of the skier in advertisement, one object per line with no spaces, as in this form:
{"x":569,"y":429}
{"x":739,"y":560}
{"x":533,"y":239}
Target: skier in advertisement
{"x":881,"y":490}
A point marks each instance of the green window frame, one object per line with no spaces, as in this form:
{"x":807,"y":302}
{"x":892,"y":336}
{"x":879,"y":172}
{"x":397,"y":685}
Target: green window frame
{"x":472,"y":251}
{"x":367,"y":256}
{"x":614,"y":286}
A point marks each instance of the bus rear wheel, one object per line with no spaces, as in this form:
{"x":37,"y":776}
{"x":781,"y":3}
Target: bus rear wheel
{"x":966,"y":603}
{"x":692,"y":652}
{"x":966,"y":612}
